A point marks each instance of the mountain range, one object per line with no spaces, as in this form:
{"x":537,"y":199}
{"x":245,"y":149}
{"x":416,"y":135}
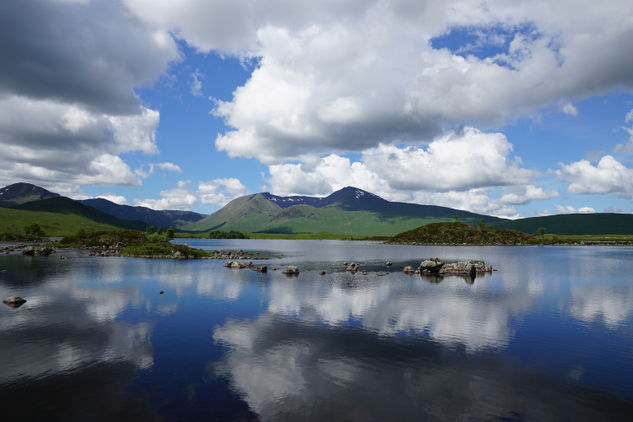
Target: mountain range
{"x":349,"y":211}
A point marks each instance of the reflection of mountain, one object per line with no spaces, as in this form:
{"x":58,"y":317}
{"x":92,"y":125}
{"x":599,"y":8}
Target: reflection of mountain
{"x":286,"y":370}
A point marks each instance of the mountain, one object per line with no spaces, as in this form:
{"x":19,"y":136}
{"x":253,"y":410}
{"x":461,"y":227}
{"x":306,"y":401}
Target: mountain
{"x":598,"y":223}
{"x":63,"y":205}
{"x":347,"y":211}
{"x":20,"y":193}
{"x":162,"y":218}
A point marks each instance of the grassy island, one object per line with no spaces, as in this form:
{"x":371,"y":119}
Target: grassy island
{"x":459,"y":234}
{"x":142,"y":244}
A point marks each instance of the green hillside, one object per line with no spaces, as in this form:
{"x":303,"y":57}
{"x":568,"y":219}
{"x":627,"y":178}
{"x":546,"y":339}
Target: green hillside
{"x":345,"y":212}
{"x":63,"y":205}
{"x":53,"y":223}
{"x":572,"y":224}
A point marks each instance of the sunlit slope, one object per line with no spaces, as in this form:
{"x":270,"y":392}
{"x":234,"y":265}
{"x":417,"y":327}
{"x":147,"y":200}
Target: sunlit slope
{"x":53,"y":224}
{"x":349,"y":211}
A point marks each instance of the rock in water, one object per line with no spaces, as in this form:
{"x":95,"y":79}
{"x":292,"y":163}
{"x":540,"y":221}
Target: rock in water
{"x":29,"y":250}
{"x":321,"y":272}
{"x":261,"y":268}
{"x":353,"y":267}
{"x":14,"y":301}
{"x":431,"y":266}
{"x":291,"y":270}
{"x":408,"y":269}
{"x":46,"y":251}
{"x":389,"y":264}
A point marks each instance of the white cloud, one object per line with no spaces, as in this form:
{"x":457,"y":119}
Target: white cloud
{"x":220,"y":191}
{"x":348,"y":76}
{"x":568,"y":209}
{"x":609,"y":176}
{"x":217,"y":192}
{"x":570,"y":110}
{"x":167,"y":166}
{"x":629,"y":117}
{"x":117,"y":199}
{"x":179,"y":198}
{"x":195,"y":84}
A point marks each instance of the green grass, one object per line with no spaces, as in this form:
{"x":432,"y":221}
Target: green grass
{"x":53,"y":224}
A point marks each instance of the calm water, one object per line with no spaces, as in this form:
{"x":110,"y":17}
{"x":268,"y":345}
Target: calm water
{"x":547,"y":337}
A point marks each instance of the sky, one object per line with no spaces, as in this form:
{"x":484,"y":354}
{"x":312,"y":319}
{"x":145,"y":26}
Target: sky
{"x":513,"y":109}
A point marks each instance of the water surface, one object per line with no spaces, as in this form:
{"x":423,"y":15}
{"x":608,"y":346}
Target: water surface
{"x":549,"y":336}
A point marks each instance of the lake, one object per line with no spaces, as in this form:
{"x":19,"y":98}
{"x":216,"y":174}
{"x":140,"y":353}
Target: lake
{"x":549,"y":336}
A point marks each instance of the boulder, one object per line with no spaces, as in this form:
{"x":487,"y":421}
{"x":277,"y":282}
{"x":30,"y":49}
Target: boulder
{"x":29,"y":250}
{"x":46,"y":251}
{"x":321,"y":272}
{"x":459,"y":268}
{"x":291,"y":270}
{"x":389,"y":264}
{"x":408,"y":269}
{"x":14,"y":301}
{"x":431,"y":266}
{"x":353,"y":267}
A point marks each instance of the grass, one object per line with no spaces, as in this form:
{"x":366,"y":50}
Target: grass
{"x":53,"y":224}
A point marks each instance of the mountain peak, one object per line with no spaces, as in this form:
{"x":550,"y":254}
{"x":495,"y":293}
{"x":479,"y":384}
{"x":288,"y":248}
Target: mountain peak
{"x":20,"y":193}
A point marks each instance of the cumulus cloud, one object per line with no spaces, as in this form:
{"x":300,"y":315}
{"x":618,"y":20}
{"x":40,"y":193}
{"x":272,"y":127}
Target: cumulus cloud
{"x":217,"y":192}
{"x":568,"y":209}
{"x":179,"y":198}
{"x":67,"y":103}
{"x":455,"y":170}
{"x":347,"y":76}
{"x":609,"y":176}
{"x":220,"y":191}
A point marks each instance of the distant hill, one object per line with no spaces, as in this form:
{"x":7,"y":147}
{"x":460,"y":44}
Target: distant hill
{"x":158,"y":218}
{"x":348,"y":211}
{"x":599,"y":223}
{"x":20,"y":193}
{"x":63,"y":205}
{"x":460,"y":234}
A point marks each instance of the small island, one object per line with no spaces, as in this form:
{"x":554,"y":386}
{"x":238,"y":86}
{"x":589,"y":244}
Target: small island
{"x":134,"y":243}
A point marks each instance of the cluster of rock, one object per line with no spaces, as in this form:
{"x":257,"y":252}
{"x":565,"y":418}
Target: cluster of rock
{"x":438,"y":267}
{"x":247,"y":264}
{"x":234,"y":255}
{"x":107,"y":250}
{"x":30,"y":251}
{"x":7,"y":249}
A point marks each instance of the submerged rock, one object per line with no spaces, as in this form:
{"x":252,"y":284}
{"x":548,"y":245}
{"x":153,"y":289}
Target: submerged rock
{"x":261,"y":268}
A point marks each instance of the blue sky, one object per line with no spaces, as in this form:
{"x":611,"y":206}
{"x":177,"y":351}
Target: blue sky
{"x":513,"y":112}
